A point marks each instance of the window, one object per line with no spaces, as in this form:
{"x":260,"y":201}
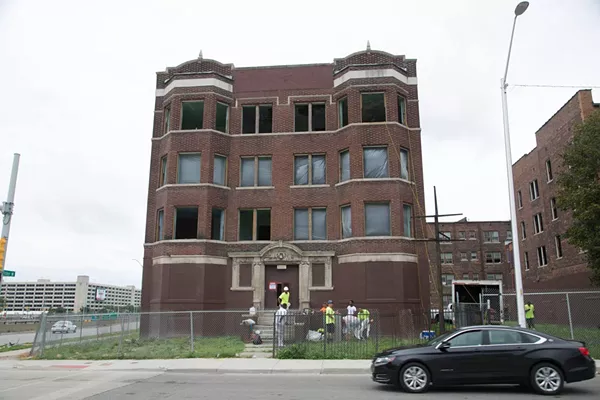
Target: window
{"x":220,"y":170}
{"x":466,"y":276}
{"x":520,"y":199}
{"x":473,"y":255}
{"x":255,"y":225}
{"x":188,"y":168}
{"x":186,"y":223}
{"x":538,"y":223}
{"x":462,"y":235}
{"x":407,"y":215}
{"x":475,"y":276}
{"x":163,"y":171}
{"x":447,"y":278}
{"x":256,"y":171}
{"x":558,"y":244}
{"x":222,"y":119}
{"x":217,"y":224}
{"x":549,"y":174}
{"x":192,"y":114}
{"x":491,"y":236}
{"x":471,"y":338}
{"x":318,"y":275}
{"x":500,"y":337}
{"x":526,"y":258}
{"x":346,"y":222}
{"x":463,"y":256}
{"x":534,"y":192}
{"x":404,"y":164}
{"x":493,"y":257}
{"x":542,"y":258}
{"x":160,"y":223}
{"x":309,"y":117}
{"x":472,"y":235}
{"x":446,"y":258}
{"x":508,"y":235}
{"x":445,"y":236}
{"x":309,"y":169}
{"x":377,"y":219}
{"x":257,"y":119}
{"x":375,"y":162}
{"x":373,"y":107}
{"x":523,"y":230}
{"x":554,"y":208}
{"x":343,"y":112}
{"x":167,"y":119}
{"x":344,"y":165}
{"x":310,"y":224}
{"x":401,"y":110}
{"x":494,"y":277}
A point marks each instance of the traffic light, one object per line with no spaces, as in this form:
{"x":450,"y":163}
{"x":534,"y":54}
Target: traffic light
{"x":2,"y":252}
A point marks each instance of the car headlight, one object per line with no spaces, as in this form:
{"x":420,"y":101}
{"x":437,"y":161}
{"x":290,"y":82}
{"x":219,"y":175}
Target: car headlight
{"x":383,"y":360}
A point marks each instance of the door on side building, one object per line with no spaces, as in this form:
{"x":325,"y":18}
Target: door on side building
{"x":281,"y":277}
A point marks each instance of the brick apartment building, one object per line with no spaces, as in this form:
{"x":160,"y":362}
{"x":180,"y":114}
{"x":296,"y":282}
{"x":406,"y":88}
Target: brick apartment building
{"x":471,"y":250}
{"x":547,"y":259}
{"x":301,"y":175}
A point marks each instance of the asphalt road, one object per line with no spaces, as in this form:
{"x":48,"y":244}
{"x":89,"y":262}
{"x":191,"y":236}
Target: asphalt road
{"x":132,"y":385}
{"x":28,"y":337}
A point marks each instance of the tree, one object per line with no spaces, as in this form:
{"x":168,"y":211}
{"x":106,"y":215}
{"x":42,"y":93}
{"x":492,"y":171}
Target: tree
{"x":579,"y":190}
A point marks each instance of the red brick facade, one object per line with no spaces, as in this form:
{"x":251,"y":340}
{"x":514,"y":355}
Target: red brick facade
{"x":389,"y":272}
{"x":568,"y":271}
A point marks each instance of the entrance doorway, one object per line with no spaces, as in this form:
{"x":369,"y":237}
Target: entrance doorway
{"x":280,"y":278}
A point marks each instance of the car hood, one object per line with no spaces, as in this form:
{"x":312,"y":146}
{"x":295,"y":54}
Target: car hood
{"x":402,"y":350}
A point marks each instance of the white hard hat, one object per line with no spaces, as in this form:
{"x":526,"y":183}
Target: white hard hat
{"x":286,"y":288}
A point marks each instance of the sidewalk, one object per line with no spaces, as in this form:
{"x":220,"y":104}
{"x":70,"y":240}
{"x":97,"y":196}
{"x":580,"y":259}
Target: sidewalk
{"x":205,"y":365}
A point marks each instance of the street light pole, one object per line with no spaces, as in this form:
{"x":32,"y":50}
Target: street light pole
{"x":519,"y":10}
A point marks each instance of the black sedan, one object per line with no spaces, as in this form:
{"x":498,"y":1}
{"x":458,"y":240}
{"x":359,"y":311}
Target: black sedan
{"x":481,"y":355}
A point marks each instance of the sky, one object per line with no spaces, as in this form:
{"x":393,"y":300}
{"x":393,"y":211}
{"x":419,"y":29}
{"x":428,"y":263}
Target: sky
{"x":78,"y":95}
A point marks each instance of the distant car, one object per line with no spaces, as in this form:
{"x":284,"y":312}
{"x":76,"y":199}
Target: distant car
{"x":486,"y":355}
{"x":64,"y":327}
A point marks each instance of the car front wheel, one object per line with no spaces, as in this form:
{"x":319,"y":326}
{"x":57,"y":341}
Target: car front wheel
{"x":414,"y":378}
{"x":547,"y":379}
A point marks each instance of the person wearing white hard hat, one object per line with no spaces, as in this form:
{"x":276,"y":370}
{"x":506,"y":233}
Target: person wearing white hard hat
{"x":284,"y":297}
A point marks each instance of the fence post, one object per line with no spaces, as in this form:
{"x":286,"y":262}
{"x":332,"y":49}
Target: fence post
{"x":570,"y":319}
{"x":43,"y":327}
{"x":122,"y":333}
{"x":192,"y":331}
{"x":81,"y":328}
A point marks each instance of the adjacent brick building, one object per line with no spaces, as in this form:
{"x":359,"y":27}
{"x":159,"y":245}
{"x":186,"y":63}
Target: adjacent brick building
{"x":301,"y":175}
{"x":473,"y":250}
{"x":548,"y":260}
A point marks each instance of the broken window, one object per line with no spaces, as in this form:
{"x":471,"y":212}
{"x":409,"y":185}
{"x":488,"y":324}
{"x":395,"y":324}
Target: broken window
{"x":163,"y":171}
{"x":160,"y":223}
{"x":167,"y":119}
{"x":192,"y":114}
{"x":318,"y":275}
{"x":472,"y":235}
{"x":404,"y":164}
{"x":257,"y":119}
{"x":377,"y":219}
{"x":256,"y":171}
{"x":533,"y":190}
{"x":373,"y":107}
{"x":310,"y":224}
{"x":188,"y":168}
{"x":520,"y":199}
{"x":222,"y":120}
{"x":538,"y":223}
{"x":401,"y":110}
{"x":494,"y":277}
{"x":344,"y":165}
{"x":491,"y":236}
{"x":558,"y":244}
{"x":346,"y":222}
{"x":375,"y":162}
{"x":309,"y":117}
{"x":549,"y":174}
{"x":220,"y":170}
{"x":542,"y":257}
{"x":461,"y":235}
{"x":554,"y":208}
{"x":186,"y":223}
{"x":526,"y":258}
{"x":493,"y":257}
{"x":218,"y":224}
{"x":343,"y":112}
{"x":309,"y":170}
{"x":407,"y":220}
{"x":255,"y":225}
{"x":523,"y":230}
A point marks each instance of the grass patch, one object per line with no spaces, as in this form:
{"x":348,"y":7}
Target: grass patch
{"x":5,"y":348}
{"x":134,"y":348}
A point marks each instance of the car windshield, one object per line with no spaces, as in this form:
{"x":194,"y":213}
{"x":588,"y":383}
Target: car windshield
{"x":439,"y":339}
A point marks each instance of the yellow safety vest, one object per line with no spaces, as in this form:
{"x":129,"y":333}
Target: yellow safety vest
{"x":329,"y":316}
{"x":284,"y":298}
{"x":529,"y":311}
{"x":364,"y":314}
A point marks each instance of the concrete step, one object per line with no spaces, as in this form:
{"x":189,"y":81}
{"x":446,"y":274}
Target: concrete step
{"x":255,"y":355}
{"x":254,"y":350}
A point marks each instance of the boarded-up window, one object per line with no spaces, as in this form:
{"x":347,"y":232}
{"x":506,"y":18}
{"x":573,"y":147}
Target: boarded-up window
{"x":318,"y":275}
{"x":245,"y":275}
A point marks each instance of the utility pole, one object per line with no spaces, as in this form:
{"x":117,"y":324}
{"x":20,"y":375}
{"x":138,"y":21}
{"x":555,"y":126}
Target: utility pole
{"x":438,"y":250}
{"x":7,"y":211}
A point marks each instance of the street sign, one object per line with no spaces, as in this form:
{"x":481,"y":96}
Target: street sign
{"x":8,"y":273}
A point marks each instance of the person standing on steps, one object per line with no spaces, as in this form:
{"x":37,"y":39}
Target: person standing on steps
{"x":530,"y":315}
{"x":280,"y":324}
{"x":284,"y":297}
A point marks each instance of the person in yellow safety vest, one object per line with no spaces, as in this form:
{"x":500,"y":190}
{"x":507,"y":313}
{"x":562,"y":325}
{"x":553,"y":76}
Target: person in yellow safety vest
{"x":530,"y":315}
{"x":330,"y":320}
{"x":364,"y":316}
{"x":284,"y":297}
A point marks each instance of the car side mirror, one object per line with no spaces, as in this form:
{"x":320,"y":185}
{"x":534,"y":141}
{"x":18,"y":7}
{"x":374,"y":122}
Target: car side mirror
{"x":443,"y":346}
